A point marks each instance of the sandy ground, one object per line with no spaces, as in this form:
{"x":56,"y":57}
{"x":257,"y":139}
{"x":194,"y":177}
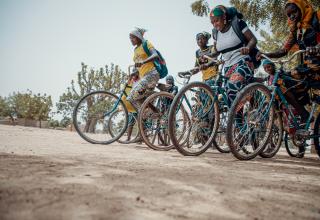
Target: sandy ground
{"x":50,"y":174}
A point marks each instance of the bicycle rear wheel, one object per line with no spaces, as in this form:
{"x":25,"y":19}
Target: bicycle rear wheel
{"x":250,"y":121}
{"x":131,"y":135}
{"x":292,"y":149}
{"x":196,"y":103}
{"x":91,"y":117}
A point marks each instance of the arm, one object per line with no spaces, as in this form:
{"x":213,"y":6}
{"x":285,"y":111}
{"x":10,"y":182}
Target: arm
{"x":252,"y":42}
{"x":153,"y":56}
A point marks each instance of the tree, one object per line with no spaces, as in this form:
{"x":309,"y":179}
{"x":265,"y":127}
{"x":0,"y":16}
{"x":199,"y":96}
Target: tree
{"x":256,"y":12}
{"x":109,"y":79}
{"x":26,"y":105}
{"x":5,"y":110}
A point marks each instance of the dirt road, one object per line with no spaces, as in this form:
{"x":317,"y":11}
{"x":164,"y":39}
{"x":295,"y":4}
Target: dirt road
{"x":49,"y":174}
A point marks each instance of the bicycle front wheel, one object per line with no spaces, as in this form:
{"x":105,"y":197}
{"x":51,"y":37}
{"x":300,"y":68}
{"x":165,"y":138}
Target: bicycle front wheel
{"x":250,"y":121}
{"x":196,"y":103}
{"x":92,"y":114}
{"x":153,"y":121}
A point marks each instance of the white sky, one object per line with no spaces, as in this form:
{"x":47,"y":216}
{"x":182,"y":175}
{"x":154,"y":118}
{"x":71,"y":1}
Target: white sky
{"x":43,"y":42}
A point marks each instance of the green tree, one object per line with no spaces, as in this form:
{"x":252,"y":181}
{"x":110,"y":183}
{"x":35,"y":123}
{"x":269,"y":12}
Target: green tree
{"x":27,"y":105}
{"x":256,"y":12}
{"x":107,"y":78}
{"x":5,"y":109}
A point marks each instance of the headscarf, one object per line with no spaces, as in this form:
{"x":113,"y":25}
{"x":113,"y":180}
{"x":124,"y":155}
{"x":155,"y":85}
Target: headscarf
{"x":138,"y":32}
{"x":170,"y":79}
{"x":306,"y":13}
{"x":266,"y":62}
{"x":204,"y":34}
{"x":218,"y":11}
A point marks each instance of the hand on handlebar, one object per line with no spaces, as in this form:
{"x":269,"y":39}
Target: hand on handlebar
{"x":313,"y":50}
{"x":244,"y":50}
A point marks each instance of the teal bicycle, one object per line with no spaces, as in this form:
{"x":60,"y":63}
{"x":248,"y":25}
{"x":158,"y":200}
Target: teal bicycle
{"x":252,"y":116}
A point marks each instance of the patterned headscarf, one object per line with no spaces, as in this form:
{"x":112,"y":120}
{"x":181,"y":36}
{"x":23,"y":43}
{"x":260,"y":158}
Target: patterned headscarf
{"x":138,"y":32}
{"x":204,"y":34}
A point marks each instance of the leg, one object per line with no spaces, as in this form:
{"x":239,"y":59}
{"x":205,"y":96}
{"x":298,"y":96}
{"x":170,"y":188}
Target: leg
{"x":143,"y":88}
{"x":241,"y":77}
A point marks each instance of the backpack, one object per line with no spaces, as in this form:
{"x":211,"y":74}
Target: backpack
{"x":235,"y":17}
{"x":159,"y":63}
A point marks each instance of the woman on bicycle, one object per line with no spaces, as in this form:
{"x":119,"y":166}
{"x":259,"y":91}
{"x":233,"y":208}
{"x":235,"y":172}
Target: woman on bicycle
{"x":148,"y":74}
{"x":304,"y":26}
{"x":208,"y":69}
{"x":234,"y":40}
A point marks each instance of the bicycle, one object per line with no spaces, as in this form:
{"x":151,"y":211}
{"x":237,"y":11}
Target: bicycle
{"x":205,"y":105}
{"x":101,"y":117}
{"x":252,"y":116}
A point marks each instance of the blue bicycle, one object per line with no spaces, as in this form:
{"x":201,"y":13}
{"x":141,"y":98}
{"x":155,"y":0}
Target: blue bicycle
{"x":252,"y":116}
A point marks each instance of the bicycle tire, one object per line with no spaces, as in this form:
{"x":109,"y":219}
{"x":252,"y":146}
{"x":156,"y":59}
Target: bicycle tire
{"x":96,"y":104}
{"x":245,"y":99}
{"x":161,"y":123}
{"x":135,"y":138}
{"x":180,"y":143}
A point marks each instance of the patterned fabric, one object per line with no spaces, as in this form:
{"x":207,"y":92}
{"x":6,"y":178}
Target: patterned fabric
{"x":139,"y":56}
{"x":212,"y":70}
{"x":239,"y":75}
{"x":143,"y":88}
{"x":128,"y":89}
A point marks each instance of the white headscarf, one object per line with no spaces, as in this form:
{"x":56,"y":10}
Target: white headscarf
{"x":138,"y":32}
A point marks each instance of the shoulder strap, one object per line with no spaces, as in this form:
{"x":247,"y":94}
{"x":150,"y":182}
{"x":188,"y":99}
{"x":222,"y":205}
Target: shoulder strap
{"x":236,"y":28}
{"x":214,"y":34}
{"x":145,"y":48}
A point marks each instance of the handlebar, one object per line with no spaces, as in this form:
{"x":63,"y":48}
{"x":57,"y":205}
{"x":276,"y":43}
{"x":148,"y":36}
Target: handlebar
{"x":189,"y":73}
{"x":221,"y":61}
{"x":281,"y":62}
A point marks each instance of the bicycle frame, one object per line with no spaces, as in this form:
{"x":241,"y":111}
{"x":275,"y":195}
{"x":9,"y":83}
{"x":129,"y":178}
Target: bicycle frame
{"x":275,"y":90}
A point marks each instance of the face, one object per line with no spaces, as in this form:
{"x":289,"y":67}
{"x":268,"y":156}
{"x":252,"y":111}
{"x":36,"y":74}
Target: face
{"x":269,"y":69}
{"x":218,"y":22}
{"x":134,"y":40}
{"x":202,"y":41}
{"x":169,"y":82}
{"x":293,"y":13}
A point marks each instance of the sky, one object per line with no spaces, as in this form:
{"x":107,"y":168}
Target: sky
{"x":43,"y":42}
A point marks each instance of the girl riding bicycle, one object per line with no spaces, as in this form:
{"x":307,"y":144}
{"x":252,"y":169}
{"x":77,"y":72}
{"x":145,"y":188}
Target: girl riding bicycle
{"x":230,"y":34}
{"x":304,"y":26}
{"x":148,"y":74}
{"x":208,"y":69}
